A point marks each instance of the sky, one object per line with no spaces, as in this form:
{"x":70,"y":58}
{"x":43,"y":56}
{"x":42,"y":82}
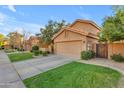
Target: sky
{"x":33,"y":17}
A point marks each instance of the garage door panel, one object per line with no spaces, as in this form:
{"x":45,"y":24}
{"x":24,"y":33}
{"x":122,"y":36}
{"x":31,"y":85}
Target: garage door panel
{"x":69,"y":48}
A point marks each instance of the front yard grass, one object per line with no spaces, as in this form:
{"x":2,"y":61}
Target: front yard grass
{"x":75,"y":75}
{"x":14,"y":57}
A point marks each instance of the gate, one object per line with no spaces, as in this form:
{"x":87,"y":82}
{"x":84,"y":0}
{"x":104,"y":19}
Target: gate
{"x":102,"y":50}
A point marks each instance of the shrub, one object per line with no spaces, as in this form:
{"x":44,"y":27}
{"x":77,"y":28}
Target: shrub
{"x":2,"y":47}
{"x":36,"y":52}
{"x":48,"y":52}
{"x":87,"y":54}
{"x":31,"y":51}
{"x":117,"y":57}
{"x":19,"y":49}
{"x":44,"y":53}
{"x":40,"y":52}
{"x":35,"y":48}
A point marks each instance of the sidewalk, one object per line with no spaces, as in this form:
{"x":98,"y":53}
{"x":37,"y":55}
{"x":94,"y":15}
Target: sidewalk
{"x":108,"y":63}
{"x":9,"y":78}
{"x":105,"y":62}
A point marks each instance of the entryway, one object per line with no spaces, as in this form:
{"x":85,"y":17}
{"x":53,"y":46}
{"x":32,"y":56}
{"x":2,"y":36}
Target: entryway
{"x":102,"y":50}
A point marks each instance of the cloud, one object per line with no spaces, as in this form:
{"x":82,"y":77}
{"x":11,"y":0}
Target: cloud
{"x":10,"y":24}
{"x":2,"y":17}
{"x":12,"y":8}
{"x":1,"y":24}
{"x":19,"y":29}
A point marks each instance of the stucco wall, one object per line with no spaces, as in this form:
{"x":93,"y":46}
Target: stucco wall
{"x":85,"y":27}
{"x":116,"y":48}
{"x":68,"y":36}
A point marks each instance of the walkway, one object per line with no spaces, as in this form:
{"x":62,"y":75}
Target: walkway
{"x":107,"y":63}
{"x":9,"y":78}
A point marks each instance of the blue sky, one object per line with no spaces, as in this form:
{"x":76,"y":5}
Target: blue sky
{"x":32,"y":18}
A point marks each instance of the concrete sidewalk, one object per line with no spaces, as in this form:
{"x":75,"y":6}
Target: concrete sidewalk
{"x":110,"y":64}
{"x":106,"y":63}
{"x":9,"y":78}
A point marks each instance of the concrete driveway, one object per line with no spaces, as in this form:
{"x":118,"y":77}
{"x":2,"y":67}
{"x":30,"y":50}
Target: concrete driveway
{"x":38,"y":65}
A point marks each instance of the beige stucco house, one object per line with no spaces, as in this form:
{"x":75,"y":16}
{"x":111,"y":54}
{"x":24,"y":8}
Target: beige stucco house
{"x":81,"y":35}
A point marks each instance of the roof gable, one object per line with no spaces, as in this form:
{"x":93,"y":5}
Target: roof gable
{"x":82,"y":31}
{"x":85,"y":21}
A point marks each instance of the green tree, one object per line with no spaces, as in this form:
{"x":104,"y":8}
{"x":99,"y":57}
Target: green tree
{"x":1,"y":36}
{"x":50,"y":29}
{"x":1,"y":40}
{"x":113,"y":26}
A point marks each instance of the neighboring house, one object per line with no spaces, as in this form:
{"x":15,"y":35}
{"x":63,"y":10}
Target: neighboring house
{"x":27,"y":45}
{"x":32,"y":41}
{"x":81,"y":35}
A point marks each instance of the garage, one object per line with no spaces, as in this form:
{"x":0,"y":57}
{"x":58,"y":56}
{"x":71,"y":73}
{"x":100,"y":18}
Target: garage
{"x":69,"y":48}
{"x":79,"y":36}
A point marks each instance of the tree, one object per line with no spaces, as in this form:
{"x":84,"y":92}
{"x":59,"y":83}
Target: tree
{"x":1,"y":40}
{"x":25,"y":35}
{"x":15,"y":39}
{"x":1,"y":36}
{"x":113,"y":26}
{"x":50,"y":29}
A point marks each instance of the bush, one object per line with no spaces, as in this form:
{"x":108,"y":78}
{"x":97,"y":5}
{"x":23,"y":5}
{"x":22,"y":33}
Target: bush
{"x":19,"y":49}
{"x":36,"y":52}
{"x":117,"y":57}
{"x":44,"y":53}
{"x":40,"y":52}
{"x":35,"y":48}
{"x":87,"y":54}
{"x":31,"y":51}
{"x":48,"y":52}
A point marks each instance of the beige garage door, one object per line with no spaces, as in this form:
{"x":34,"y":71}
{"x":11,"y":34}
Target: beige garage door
{"x":71,"y":49}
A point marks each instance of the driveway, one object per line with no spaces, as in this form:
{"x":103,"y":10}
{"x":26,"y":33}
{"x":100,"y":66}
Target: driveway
{"x":38,"y":65}
{"x":9,"y":78}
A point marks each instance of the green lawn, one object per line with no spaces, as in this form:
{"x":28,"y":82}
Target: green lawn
{"x":20,"y":56}
{"x":75,"y":75}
